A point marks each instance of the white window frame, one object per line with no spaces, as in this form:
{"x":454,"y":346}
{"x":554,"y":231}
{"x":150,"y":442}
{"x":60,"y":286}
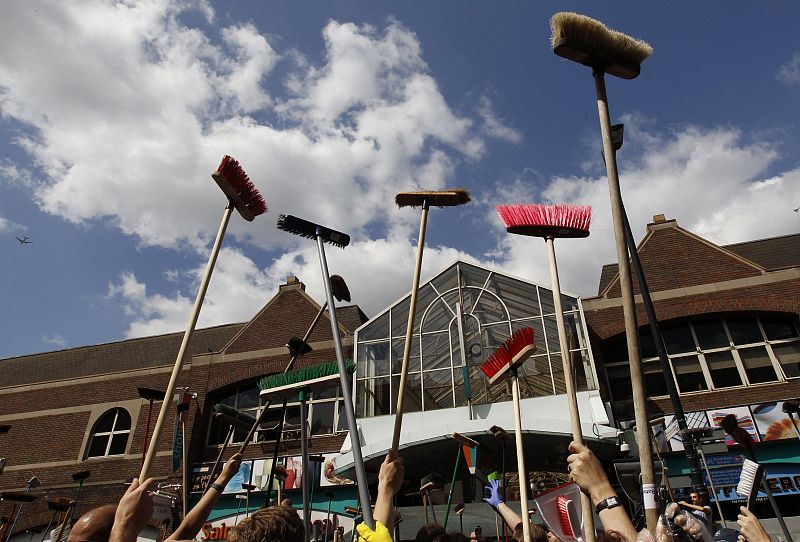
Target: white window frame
{"x":110,"y":434}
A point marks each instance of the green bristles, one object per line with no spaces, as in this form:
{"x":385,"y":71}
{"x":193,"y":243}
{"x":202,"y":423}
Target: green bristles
{"x":568,"y":25}
{"x":238,"y":415}
{"x":299,"y":376}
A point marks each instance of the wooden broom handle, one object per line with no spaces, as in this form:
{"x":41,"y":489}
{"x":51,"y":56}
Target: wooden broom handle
{"x":522,"y":472}
{"x":398,"y":418}
{"x":572,"y":397}
{"x":187,"y":336}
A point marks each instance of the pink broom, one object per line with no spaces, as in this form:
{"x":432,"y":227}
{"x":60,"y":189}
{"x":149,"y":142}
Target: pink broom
{"x":507,"y":360}
{"x":550,"y":222}
{"x":245,"y":198}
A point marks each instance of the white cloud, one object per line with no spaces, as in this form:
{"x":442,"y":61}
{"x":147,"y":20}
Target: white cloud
{"x":789,"y":73}
{"x":238,"y":289}
{"x":711,"y":181}
{"x":129,"y":111}
{"x":54,"y":340}
{"x":494,"y":126}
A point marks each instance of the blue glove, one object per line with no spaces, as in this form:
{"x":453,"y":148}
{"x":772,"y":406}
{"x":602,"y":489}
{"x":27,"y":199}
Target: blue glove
{"x":491,"y":493}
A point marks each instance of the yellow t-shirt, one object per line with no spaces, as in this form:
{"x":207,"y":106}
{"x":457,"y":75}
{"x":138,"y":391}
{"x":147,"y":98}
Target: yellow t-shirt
{"x":380,"y":534}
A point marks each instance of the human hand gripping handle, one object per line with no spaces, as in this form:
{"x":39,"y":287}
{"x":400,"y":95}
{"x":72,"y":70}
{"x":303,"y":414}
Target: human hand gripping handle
{"x":492,"y":494}
{"x":751,"y":528}
{"x":586,"y":471}
{"x":133,"y":512}
{"x":230,"y":469}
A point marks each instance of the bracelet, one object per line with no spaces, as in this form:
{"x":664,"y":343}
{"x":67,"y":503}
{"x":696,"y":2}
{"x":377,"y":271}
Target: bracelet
{"x":219,"y":487}
{"x":607,"y":503}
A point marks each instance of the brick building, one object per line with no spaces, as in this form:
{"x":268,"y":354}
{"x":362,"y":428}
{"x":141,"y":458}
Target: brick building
{"x":729,"y":316}
{"x":79,"y":409}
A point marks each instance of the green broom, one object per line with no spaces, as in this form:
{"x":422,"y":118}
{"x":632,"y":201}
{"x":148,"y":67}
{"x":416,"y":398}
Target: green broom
{"x":589,"y":42}
{"x":315,"y":377}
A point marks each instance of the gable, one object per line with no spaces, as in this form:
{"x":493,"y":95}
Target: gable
{"x":675,"y":258}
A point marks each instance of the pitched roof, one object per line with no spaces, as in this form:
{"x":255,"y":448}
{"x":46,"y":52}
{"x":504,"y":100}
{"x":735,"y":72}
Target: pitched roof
{"x":772,"y":253}
{"x":113,"y":357}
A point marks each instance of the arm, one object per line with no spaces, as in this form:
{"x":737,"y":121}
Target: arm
{"x":586,"y":471}
{"x":751,"y":528}
{"x":195,"y":518}
{"x":133,"y":512}
{"x":494,"y":500}
{"x":685,"y":504}
{"x":390,"y":479}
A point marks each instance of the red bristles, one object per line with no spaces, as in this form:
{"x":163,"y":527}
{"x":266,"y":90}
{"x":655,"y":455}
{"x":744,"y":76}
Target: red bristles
{"x":232,"y":179}
{"x":537,"y":220}
{"x":511,"y":353}
{"x":563,"y":502}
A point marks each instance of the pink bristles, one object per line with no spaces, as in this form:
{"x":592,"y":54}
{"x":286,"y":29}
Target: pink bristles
{"x":232,"y":179}
{"x":511,"y":353}
{"x":562,"y":501}
{"x":538,"y":220}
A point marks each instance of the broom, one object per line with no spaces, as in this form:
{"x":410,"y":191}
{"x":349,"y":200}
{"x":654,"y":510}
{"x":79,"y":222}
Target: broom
{"x":322,"y":235}
{"x":320,"y":376}
{"x":507,"y":359}
{"x":244,"y":197}
{"x":462,"y":441}
{"x":234,"y":418}
{"x":424,"y":199}
{"x":589,"y":42}
{"x":551,"y":222}
{"x":730,"y":425}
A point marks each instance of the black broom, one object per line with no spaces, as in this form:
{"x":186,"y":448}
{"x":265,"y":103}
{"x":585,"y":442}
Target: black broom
{"x":322,"y":235}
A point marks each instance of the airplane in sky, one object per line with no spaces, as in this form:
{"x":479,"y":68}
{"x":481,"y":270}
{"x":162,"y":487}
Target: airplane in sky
{"x":24,"y":240}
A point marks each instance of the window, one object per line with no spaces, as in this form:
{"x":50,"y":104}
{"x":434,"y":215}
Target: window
{"x":325,"y":414}
{"x":711,"y":353}
{"x":479,"y":309}
{"x":110,"y":434}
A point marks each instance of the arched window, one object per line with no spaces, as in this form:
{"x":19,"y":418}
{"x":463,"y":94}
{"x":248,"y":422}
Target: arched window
{"x":110,"y":434}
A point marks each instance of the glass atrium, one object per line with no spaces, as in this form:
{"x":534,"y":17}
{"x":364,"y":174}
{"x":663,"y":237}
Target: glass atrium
{"x":493,"y":306}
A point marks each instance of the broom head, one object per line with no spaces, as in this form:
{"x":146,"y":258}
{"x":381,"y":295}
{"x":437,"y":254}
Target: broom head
{"x":81,"y":475}
{"x":750,"y":481}
{"x":59,"y":504}
{"x":316,"y":377}
{"x":339,"y":288}
{"x":545,"y":221}
{"x":304,"y":228}
{"x":17,"y":496}
{"x":449,"y":197}
{"x":511,"y":354}
{"x":232,"y":179}
{"x":298,"y":347}
{"x":589,"y":42}
{"x":239,"y":418}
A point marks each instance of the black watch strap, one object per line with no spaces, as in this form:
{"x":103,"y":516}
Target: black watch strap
{"x":608,"y":502}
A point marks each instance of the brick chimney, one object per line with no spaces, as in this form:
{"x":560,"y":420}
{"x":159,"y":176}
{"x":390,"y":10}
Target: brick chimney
{"x":292,"y":283}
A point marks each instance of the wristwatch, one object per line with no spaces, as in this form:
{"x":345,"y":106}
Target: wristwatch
{"x":608,"y":502}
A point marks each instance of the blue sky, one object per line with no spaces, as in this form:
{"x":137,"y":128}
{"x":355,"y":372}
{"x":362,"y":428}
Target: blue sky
{"x":113,"y":116}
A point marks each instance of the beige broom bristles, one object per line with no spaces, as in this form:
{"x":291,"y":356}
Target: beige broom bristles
{"x":591,"y":32}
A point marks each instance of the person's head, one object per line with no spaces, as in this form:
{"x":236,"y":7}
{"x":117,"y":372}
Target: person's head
{"x":429,"y":532}
{"x":537,"y":533}
{"x":695,"y":498}
{"x":94,"y":526}
{"x":610,"y":536}
{"x":276,"y":524}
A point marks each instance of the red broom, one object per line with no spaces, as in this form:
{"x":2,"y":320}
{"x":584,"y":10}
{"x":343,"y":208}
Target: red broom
{"x":243,"y":196}
{"x":550,"y":222}
{"x":507,"y":359}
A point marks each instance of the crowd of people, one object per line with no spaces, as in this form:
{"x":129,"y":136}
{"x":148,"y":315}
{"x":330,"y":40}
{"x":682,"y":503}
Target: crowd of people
{"x":687,"y":521}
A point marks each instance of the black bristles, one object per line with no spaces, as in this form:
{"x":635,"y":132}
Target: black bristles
{"x":304,"y":228}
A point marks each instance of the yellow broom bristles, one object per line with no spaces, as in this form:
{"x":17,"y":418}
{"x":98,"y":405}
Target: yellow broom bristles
{"x":569,"y":25}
